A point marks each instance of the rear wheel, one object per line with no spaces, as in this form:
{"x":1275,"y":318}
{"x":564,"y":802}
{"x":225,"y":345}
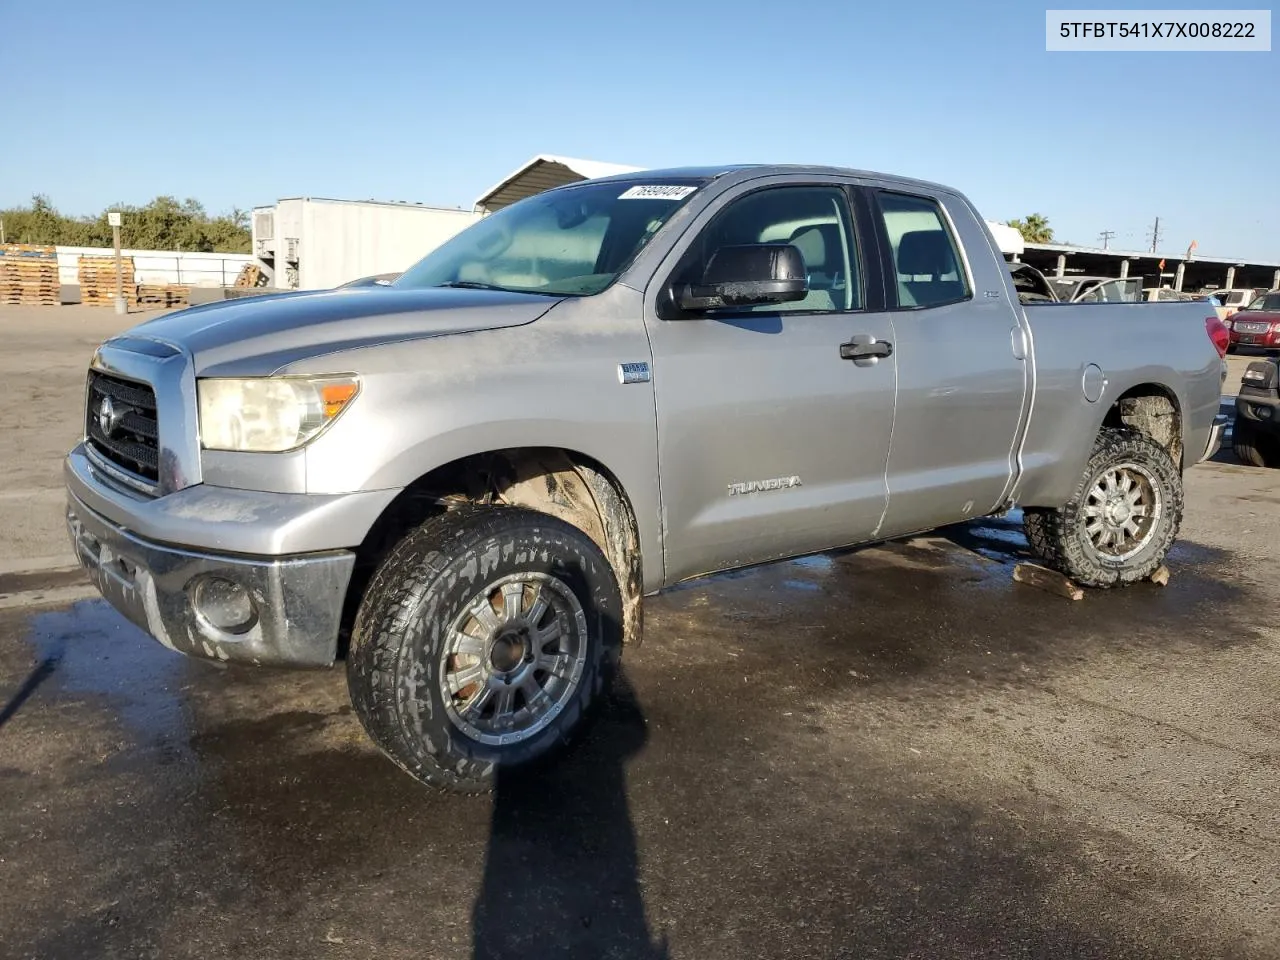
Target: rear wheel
{"x":1252,"y":447}
{"x":1122,"y":518}
{"x":482,"y":642}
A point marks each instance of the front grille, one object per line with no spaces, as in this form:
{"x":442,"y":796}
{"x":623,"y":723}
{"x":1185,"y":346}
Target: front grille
{"x":132,"y":442}
{"x":1247,"y":326}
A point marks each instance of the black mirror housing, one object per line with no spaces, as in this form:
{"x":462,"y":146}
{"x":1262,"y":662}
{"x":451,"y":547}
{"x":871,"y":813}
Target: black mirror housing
{"x":746,"y":275}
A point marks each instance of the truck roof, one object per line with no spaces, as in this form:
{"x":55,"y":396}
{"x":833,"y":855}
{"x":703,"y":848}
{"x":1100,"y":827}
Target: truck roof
{"x":752,"y":170}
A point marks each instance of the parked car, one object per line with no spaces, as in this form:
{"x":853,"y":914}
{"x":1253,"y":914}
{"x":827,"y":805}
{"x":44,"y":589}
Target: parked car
{"x":1097,"y":289}
{"x":1255,"y":435}
{"x":465,"y":484}
{"x":1257,"y":326}
{"x":1031,"y":285}
{"x":1168,"y":293}
{"x":1233,"y":299}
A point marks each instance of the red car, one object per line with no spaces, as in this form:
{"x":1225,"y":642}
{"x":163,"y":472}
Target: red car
{"x":1256,"y":326}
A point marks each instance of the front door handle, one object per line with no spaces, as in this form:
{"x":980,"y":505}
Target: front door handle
{"x":865,"y":350}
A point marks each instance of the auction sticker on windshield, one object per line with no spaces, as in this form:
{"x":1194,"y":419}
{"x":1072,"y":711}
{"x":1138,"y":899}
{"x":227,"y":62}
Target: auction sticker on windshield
{"x":654,"y":191}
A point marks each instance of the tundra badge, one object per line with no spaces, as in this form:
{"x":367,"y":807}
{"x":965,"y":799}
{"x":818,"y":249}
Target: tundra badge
{"x":754,"y":486}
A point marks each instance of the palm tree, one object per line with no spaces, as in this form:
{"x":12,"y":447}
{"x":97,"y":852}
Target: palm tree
{"x":1034,"y":228}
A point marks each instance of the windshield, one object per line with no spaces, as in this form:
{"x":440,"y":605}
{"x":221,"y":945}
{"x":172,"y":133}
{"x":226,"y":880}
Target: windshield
{"x":568,"y":242}
{"x":1269,"y":302}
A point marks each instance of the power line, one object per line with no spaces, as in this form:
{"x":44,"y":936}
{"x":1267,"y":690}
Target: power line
{"x":1106,"y":236}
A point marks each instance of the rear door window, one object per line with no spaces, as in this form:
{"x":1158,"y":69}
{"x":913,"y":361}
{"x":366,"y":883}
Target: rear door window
{"x":930,"y":271}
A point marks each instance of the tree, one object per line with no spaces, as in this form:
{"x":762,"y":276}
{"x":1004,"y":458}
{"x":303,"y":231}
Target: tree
{"x":1034,"y":228}
{"x":163,"y":224}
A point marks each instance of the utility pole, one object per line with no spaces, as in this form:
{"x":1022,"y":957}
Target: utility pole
{"x":113,"y":218}
{"x":1155,"y":235}
{"x":1106,"y":236}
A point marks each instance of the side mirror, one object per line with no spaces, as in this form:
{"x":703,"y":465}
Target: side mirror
{"x":747,"y":275}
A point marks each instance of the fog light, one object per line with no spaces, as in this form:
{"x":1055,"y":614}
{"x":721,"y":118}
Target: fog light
{"x":224,"y":605}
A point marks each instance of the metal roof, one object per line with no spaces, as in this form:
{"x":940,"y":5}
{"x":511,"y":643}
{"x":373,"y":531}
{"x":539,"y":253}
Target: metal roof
{"x":1148,"y":255}
{"x":542,"y":173}
{"x":1007,"y":238}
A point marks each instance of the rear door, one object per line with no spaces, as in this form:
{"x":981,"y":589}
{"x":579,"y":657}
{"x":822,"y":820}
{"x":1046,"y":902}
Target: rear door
{"x":772,"y":440}
{"x":962,"y":374}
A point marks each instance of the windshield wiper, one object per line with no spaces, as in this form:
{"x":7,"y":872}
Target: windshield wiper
{"x":472,"y":285}
{"x":477,"y":285}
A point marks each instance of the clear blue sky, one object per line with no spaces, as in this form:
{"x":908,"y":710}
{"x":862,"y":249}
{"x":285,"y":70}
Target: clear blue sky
{"x":434,"y":102}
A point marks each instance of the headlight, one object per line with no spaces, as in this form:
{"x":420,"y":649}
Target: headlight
{"x":270,"y":414}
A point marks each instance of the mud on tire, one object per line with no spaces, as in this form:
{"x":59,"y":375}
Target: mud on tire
{"x":451,"y":691}
{"x":1067,"y":538}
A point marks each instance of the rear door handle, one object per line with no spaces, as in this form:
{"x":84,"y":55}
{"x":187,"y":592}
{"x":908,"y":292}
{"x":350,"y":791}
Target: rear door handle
{"x":865,"y":350}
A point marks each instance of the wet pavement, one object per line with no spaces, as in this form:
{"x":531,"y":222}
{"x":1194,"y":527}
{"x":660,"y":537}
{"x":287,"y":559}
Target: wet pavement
{"x":886,"y":753}
{"x":895,"y":752}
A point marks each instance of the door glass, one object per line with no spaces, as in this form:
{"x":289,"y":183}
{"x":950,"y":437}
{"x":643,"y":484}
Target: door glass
{"x":813,"y":219}
{"x":924,"y":252}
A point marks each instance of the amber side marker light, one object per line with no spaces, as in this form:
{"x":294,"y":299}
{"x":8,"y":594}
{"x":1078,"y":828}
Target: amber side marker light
{"x":336,"y":396}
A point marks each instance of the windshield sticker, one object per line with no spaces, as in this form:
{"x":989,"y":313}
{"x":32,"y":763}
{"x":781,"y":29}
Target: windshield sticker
{"x":653,"y":191}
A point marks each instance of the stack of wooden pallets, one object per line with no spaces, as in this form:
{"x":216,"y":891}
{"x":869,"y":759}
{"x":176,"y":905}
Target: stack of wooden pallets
{"x":163,"y":294}
{"x":29,"y":274}
{"x":251,"y":275}
{"x":98,"y":281}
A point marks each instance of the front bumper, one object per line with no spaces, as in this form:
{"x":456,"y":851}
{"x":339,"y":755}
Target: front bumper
{"x":1261,"y":413}
{"x":1267,"y":340}
{"x":297,"y":600}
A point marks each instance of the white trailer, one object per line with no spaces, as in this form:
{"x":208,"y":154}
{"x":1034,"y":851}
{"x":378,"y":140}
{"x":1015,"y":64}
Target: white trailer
{"x":315,"y":243}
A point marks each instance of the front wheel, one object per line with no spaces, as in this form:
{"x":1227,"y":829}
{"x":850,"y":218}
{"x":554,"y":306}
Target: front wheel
{"x":1122,"y":518}
{"x":481,"y":643}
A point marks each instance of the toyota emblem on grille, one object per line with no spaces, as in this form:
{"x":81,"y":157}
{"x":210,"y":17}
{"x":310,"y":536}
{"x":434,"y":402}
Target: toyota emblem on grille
{"x":108,"y":417}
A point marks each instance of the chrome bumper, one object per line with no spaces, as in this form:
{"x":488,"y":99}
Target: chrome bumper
{"x":297,"y":600}
{"x":1215,"y":436}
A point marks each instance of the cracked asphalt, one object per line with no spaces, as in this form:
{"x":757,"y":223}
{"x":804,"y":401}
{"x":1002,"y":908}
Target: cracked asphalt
{"x":893,"y":752}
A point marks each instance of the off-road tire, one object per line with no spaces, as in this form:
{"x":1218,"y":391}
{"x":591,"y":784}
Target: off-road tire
{"x":1253,"y":448}
{"x":1058,"y":536}
{"x":394,"y":663}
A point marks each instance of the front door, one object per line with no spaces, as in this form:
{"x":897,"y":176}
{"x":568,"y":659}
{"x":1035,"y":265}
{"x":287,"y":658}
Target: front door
{"x":772,"y":440}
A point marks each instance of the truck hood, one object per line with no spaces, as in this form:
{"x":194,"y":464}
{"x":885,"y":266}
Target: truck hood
{"x":1256,"y":316}
{"x":258,"y":335}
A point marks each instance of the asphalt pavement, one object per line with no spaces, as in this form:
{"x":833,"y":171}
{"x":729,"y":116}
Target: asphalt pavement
{"x":893,"y":752}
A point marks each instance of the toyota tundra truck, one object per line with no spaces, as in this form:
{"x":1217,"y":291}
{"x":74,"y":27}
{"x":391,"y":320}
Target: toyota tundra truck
{"x":463,"y":484}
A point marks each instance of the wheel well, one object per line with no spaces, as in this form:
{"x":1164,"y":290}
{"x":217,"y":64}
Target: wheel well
{"x":563,"y":483}
{"x":1153,"y":410}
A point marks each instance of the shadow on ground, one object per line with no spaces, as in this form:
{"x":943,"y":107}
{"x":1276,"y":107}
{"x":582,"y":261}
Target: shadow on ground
{"x":713,"y":810}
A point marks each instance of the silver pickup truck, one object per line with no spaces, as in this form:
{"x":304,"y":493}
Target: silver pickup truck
{"x":464,"y":483}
